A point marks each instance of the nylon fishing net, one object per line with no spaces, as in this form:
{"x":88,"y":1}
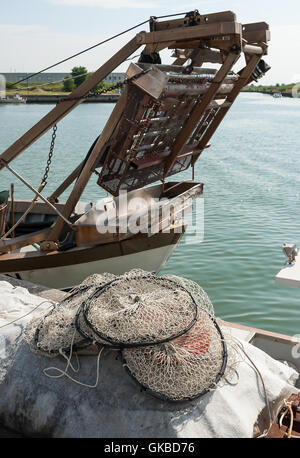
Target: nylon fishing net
{"x":140,"y":309}
{"x":181,"y":369}
{"x":54,"y":331}
{"x":164,"y":326}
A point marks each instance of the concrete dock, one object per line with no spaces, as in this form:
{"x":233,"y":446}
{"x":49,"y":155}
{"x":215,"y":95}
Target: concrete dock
{"x":45,"y":98}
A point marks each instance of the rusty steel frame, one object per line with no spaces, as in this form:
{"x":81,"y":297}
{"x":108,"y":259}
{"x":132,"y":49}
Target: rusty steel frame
{"x":219,"y":31}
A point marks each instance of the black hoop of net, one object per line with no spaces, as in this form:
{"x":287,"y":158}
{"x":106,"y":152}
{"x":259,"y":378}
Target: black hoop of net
{"x":169,"y":373}
{"x":127,"y":318}
{"x":54,"y":319}
{"x":87,"y":333}
{"x":164,"y":327}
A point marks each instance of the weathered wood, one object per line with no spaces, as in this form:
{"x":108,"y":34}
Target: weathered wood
{"x":255,"y":26}
{"x":12,"y":207}
{"x":37,"y":193}
{"x":179,"y":69}
{"x":89,"y":235}
{"x":156,"y":47}
{"x":23,"y":240}
{"x":21,"y":205}
{"x":34,"y":260}
{"x":221,"y":44}
{"x":257,"y":36}
{"x":200,"y":56}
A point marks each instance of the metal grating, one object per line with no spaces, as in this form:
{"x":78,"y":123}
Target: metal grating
{"x":149,"y":125}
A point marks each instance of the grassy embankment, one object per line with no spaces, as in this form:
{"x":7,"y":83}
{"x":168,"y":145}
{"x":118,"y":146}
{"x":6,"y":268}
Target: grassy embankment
{"x":39,"y":89}
{"x":283,"y":88}
{"x":58,"y":89}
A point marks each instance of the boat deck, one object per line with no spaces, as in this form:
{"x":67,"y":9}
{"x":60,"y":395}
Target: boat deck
{"x":279,"y":346}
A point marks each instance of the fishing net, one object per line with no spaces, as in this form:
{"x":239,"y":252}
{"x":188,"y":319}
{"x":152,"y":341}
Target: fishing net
{"x":54,"y":331}
{"x":139,"y":309}
{"x":184,"y":368}
{"x":164,"y":326}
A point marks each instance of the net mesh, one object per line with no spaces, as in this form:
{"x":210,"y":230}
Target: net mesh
{"x":184,"y":368}
{"x":140,"y":309}
{"x":164,"y":326}
{"x":54,"y":331}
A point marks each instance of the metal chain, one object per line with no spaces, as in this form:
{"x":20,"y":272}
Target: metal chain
{"x":107,"y":89}
{"x":52,"y":144}
{"x":119,"y":85}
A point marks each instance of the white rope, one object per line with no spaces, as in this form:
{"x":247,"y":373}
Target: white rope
{"x":31,"y":311}
{"x":288,"y":409}
{"x":64,"y":373}
{"x":240,"y":345}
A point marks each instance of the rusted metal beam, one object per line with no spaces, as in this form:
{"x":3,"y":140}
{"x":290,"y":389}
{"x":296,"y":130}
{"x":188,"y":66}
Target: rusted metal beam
{"x":244,"y":77}
{"x":257,"y":32}
{"x":190,"y":33}
{"x":200,"y":19}
{"x":200,"y":109}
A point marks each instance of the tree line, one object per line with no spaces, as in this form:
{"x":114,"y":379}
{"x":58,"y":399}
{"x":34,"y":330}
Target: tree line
{"x":78,"y":76}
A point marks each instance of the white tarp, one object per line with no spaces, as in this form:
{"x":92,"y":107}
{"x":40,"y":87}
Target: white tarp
{"x":32,"y":403}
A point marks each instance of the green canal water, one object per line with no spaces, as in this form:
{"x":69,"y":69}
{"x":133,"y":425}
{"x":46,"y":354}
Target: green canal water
{"x":251,"y":200}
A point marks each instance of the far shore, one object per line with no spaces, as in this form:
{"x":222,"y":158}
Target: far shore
{"x":55,"y":98}
{"x":284,"y":94}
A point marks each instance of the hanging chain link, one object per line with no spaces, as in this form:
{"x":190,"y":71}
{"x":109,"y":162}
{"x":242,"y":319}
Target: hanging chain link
{"x":52,"y":144}
{"x":107,"y":89}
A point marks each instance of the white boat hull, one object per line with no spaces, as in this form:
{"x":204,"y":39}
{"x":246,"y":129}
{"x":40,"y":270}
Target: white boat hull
{"x":68,"y":276}
{"x":289,"y":275}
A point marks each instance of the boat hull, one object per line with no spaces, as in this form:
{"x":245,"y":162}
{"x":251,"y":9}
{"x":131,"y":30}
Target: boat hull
{"x":95,"y":247}
{"x":69,"y":276}
{"x":67,"y":269}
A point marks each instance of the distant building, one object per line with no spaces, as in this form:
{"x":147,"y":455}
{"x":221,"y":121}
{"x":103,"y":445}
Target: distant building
{"x":54,"y":77}
{"x":115,"y":78}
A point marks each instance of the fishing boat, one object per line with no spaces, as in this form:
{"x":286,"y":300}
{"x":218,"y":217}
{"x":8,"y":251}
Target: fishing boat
{"x":16,"y":98}
{"x":162,"y":122}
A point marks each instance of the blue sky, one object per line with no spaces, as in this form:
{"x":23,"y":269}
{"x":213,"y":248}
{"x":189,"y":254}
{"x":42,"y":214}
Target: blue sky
{"x":37,"y":33}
